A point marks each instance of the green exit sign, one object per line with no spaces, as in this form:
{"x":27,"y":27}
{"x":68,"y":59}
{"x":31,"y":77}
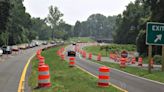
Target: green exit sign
{"x":155,"y":33}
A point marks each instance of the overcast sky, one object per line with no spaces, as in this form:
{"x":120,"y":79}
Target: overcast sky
{"x":74,"y":10}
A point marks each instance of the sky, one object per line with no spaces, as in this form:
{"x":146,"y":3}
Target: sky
{"x":74,"y":10}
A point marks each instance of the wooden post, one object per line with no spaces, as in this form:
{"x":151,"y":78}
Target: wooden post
{"x":150,"y":56}
{"x":163,"y":58}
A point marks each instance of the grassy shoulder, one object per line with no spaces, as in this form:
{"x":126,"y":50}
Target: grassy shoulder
{"x":64,"y":78}
{"x":155,"y":75}
{"x":95,"y":50}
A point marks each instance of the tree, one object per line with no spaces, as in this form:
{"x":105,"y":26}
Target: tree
{"x":54,"y":19}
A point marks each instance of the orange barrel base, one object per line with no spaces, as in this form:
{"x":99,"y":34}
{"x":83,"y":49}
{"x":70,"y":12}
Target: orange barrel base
{"x":44,"y":84}
{"x":103,"y":84}
{"x":139,"y":64}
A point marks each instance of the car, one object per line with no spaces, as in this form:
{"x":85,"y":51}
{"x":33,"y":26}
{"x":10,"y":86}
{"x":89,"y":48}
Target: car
{"x":15,"y":48}
{"x":45,"y":43}
{"x":7,"y":49}
{"x":71,"y":53}
{"x":73,"y":43}
{"x":1,"y":52}
{"x":52,"y":42}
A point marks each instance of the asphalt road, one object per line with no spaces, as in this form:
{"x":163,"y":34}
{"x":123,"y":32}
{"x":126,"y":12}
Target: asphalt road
{"x":11,"y":68}
{"x":121,"y":79}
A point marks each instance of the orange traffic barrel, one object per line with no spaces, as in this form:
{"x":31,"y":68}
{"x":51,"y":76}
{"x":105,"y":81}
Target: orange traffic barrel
{"x":38,"y":52}
{"x":99,"y":57}
{"x":84,"y":54}
{"x":122,"y":62}
{"x":41,"y":60}
{"x":103,"y":78}
{"x":133,"y":60}
{"x":62,"y":56}
{"x":152,"y":63}
{"x":140,"y":61}
{"x":90,"y":56}
{"x":43,"y":76}
{"x":72,"y":61}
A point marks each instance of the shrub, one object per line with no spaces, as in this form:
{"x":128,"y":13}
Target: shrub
{"x":157,"y":59}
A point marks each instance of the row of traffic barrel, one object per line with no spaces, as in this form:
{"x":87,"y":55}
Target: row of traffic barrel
{"x":104,"y":72}
{"x":43,"y":71}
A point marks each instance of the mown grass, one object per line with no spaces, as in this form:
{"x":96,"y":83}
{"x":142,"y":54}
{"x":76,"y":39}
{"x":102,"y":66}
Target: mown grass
{"x":155,"y":75}
{"x":64,"y":78}
{"x":95,"y":50}
{"x":81,"y":39}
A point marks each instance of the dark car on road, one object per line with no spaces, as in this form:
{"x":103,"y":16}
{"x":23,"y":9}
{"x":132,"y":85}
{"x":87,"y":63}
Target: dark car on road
{"x":7,"y":49}
{"x":71,"y":54}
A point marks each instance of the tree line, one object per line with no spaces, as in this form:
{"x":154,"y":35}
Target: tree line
{"x":17,"y":26}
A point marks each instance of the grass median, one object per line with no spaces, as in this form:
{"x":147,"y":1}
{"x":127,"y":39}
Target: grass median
{"x":105,"y":50}
{"x":64,"y":78}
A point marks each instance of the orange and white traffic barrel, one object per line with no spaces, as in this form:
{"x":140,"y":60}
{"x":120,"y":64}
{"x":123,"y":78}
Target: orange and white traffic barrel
{"x":140,"y":61}
{"x":103,"y":78}
{"x":62,"y":56}
{"x":41,"y":60}
{"x":90,"y":56}
{"x":99,"y":57}
{"x":122,"y":62}
{"x":152,"y":63}
{"x":84,"y":54}
{"x":133,"y":60}
{"x":72,"y":61}
{"x":43,"y":76}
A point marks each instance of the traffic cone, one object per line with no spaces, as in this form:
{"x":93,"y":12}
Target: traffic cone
{"x":43,"y":76}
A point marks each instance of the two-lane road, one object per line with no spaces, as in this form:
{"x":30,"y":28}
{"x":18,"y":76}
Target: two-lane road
{"x":121,"y":79}
{"x":11,"y":70}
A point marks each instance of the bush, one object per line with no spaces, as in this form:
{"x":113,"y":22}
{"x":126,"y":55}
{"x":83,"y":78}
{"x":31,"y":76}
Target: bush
{"x":157,"y":59}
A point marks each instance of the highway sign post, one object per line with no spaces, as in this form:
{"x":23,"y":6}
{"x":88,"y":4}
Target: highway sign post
{"x":155,"y":36}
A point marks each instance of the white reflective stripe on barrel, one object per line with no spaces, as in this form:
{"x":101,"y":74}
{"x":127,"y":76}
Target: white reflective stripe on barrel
{"x":103,"y":80}
{"x":104,"y":73}
{"x":44,"y":73}
{"x":44,"y":81}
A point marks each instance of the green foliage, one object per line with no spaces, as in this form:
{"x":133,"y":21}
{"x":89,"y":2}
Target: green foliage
{"x":140,"y":42}
{"x":105,"y":50}
{"x":157,"y":59}
{"x":97,"y":25}
{"x":130,"y":23}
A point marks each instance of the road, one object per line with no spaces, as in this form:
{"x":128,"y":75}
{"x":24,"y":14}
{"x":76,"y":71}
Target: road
{"x":121,"y":79}
{"x":11,"y":69}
